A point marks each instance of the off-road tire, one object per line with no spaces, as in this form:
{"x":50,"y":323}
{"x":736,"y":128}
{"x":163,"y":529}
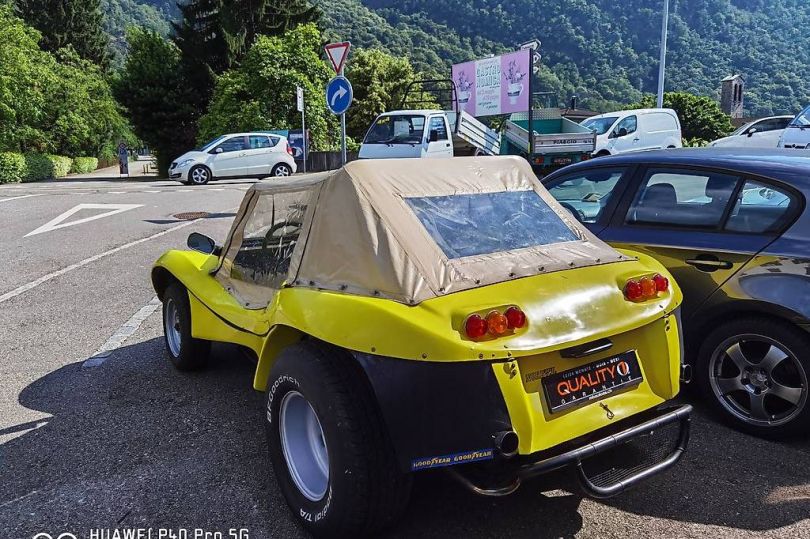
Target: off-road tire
{"x":789,"y":337}
{"x":193,"y":353}
{"x":366,"y":490}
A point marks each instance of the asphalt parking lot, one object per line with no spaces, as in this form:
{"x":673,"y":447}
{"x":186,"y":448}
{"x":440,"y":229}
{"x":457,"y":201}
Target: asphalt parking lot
{"x":126,"y":442}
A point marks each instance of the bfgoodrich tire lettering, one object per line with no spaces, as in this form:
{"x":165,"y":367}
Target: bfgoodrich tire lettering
{"x":185,"y":352}
{"x":366,"y":491}
{"x":754,"y":372}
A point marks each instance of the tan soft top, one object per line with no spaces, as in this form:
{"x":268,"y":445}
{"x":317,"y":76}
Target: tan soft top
{"x":356,"y":232}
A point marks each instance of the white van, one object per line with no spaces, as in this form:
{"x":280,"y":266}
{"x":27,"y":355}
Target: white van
{"x":631,"y":130}
{"x":796,"y":135}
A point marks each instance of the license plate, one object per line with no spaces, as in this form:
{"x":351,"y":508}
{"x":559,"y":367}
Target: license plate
{"x":591,"y":382}
{"x":561,"y":161}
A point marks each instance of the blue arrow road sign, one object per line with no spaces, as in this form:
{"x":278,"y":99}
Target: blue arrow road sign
{"x":338,"y":95}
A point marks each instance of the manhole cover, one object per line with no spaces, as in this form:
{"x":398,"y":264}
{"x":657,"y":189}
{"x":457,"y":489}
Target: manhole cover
{"x":191,"y":215}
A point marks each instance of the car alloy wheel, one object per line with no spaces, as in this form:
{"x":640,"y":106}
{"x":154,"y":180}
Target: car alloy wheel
{"x":199,"y":175}
{"x":281,"y":171}
{"x":304,"y":447}
{"x":758,"y":380}
{"x":171,"y":325}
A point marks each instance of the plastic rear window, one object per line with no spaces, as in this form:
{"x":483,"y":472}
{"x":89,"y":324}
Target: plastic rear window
{"x":485,"y":223}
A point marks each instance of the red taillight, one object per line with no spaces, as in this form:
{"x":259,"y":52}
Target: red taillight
{"x":475,"y":327}
{"x":497,"y":324}
{"x":290,"y":150}
{"x":645,"y":287}
{"x":632,"y":290}
{"x":515,"y":317}
{"x":661,"y":282}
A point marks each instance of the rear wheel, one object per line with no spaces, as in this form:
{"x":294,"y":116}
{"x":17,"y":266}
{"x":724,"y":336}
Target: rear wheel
{"x":281,"y":170}
{"x":185,"y":352}
{"x":755,"y":373}
{"x":329,"y":447}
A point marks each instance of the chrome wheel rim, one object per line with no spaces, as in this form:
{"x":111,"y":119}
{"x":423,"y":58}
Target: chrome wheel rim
{"x":304,"y":446}
{"x":758,"y":380}
{"x":171,"y":325}
{"x":282,"y":170}
{"x":199,"y":175}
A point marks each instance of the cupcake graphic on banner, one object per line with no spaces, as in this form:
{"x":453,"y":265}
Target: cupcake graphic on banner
{"x":464,"y":89}
{"x":515,"y":77}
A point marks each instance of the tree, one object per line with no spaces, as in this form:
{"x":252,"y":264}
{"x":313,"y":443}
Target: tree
{"x":260,"y":93}
{"x":701,"y":117}
{"x":153,"y":87}
{"x":62,"y":23}
{"x":379,"y":81}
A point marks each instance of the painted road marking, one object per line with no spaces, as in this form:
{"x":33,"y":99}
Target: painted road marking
{"x":17,"y":197}
{"x":151,"y":191}
{"x":122,"y":334}
{"x":57,"y":222}
{"x":45,"y":278}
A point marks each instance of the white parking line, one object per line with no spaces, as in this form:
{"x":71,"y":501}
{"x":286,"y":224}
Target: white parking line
{"x":151,"y":191}
{"x":122,"y":334}
{"x":45,"y":278}
{"x":17,"y":197}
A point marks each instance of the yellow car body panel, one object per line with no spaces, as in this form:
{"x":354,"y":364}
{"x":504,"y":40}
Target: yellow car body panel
{"x":564,"y":309}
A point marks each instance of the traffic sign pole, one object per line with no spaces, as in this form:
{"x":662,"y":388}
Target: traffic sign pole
{"x":342,"y":132}
{"x":301,"y":106}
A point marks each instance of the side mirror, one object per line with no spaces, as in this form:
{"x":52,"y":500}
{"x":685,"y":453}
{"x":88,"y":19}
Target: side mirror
{"x":202,"y":243}
{"x":751,"y":131}
{"x":434,"y":136}
{"x":217,"y":150}
{"x":623,"y":132}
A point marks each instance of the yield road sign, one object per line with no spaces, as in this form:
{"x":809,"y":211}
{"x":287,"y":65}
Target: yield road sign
{"x":337,"y":53}
{"x":338,"y":95}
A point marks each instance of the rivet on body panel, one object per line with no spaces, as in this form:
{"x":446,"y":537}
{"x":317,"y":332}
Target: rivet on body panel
{"x":424,"y":356}
{"x":373,"y":349}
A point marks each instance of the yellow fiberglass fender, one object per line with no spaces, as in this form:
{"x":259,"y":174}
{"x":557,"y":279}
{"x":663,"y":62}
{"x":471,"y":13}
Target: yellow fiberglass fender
{"x":564,"y":309}
{"x":193,"y":270}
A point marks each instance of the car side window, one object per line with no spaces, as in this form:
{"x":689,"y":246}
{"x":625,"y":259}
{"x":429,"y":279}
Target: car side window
{"x":682,"y":198}
{"x":258,"y":142}
{"x":233,"y":144}
{"x":586,"y":194}
{"x":437,"y":125}
{"x":768,"y":125}
{"x":760,"y":209}
{"x":269,"y":238}
{"x":630,"y":124}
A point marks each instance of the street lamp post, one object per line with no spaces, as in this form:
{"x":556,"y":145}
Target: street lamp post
{"x":662,"y":62}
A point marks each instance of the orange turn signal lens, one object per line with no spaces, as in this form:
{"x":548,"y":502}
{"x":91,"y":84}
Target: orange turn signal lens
{"x":497,"y":324}
{"x":645,"y":287}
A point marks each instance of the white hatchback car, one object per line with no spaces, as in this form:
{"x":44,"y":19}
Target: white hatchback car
{"x":762,"y":133}
{"x":238,"y":155}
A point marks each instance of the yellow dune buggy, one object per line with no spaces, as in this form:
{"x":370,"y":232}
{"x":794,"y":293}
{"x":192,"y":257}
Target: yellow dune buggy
{"x":416,"y":314}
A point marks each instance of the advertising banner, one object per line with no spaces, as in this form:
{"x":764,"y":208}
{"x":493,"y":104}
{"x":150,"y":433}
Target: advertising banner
{"x":498,"y":85}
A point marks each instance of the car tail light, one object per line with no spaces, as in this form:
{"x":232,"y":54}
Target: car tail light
{"x":475,"y":326}
{"x":497,"y":324}
{"x":645,"y":287}
{"x":290,"y":150}
{"x":515,"y":317}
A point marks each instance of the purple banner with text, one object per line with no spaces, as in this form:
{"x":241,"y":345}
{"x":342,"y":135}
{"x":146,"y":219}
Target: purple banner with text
{"x":498,"y":85}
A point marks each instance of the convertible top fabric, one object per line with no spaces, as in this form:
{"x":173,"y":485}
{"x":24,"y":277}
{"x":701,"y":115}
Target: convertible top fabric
{"x":357,"y":233}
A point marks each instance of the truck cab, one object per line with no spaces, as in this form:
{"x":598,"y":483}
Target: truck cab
{"x":408,"y":133}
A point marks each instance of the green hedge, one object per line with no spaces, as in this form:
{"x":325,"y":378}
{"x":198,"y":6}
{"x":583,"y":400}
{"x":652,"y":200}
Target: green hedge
{"x":31,"y":167}
{"x":84,"y":165}
{"x":12,"y":167}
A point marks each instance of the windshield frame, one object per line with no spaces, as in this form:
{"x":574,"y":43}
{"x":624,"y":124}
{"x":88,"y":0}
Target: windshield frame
{"x":804,"y":115}
{"x":412,"y":139}
{"x":600,"y":120}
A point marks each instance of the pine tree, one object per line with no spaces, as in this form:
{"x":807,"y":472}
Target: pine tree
{"x":63,"y":23}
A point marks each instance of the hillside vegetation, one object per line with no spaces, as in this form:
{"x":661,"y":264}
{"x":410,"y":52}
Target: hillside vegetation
{"x":604,"y":51}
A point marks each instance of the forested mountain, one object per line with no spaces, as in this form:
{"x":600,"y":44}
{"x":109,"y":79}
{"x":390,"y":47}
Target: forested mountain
{"x":603,"y":50}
